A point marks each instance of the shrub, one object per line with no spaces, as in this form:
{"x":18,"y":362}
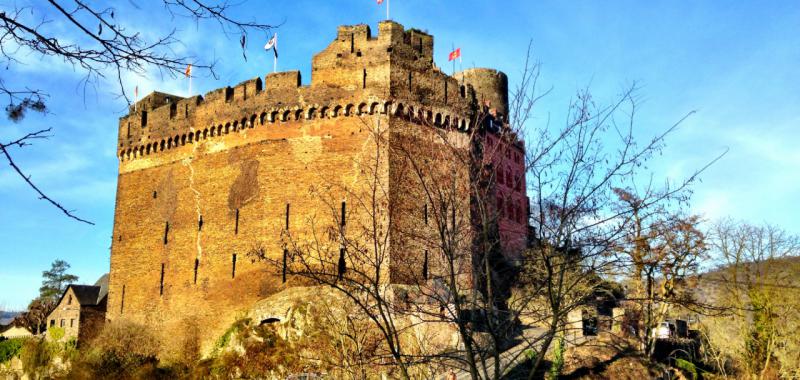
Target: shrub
{"x":10,"y":348}
{"x":56,"y":333}
{"x":687,"y":367}
{"x":36,"y":355}
{"x":121,"y":350}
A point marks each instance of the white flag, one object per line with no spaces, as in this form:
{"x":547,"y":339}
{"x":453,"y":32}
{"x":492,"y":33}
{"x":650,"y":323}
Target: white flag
{"x":273,"y":44}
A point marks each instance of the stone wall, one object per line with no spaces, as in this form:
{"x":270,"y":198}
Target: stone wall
{"x":205,"y":181}
{"x":66,"y":315}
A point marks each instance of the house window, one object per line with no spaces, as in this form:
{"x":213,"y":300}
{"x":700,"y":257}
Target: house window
{"x":69,"y":300}
{"x":72,"y":323}
{"x":62,"y":322}
{"x":52,"y":322}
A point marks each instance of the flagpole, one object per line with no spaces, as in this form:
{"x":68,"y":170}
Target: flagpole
{"x":387,"y":9}
{"x":274,"y":63}
{"x":454,"y":61}
{"x":190,"y":85}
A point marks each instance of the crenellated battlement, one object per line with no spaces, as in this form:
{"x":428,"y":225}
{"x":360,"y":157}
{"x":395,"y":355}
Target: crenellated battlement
{"x":357,"y":74}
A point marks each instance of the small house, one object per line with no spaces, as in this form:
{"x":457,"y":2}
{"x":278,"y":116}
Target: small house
{"x":81,"y":310}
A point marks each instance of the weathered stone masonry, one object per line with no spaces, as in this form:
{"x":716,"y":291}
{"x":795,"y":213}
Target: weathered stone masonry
{"x":204,"y":179}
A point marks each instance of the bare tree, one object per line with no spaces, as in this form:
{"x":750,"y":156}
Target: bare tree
{"x":757,"y":281}
{"x":575,"y":174}
{"x":97,"y":44}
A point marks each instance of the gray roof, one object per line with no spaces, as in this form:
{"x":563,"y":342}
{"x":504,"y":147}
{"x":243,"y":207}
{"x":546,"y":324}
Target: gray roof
{"x":90,"y":295}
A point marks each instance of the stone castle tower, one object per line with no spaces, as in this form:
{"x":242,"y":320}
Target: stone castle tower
{"x":203,"y":179}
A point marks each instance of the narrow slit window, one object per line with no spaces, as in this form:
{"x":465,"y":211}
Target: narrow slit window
{"x":285,"y":256}
{"x":196,"y":265}
{"x":233,"y":266}
{"x":129,"y":129}
{"x":352,"y":43}
{"x":155,"y":194}
{"x":236,"y":226}
{"x":445,"y":92}
{"x":200,"y":223}
{"x":144,"y":119}
{"x":425,"y":213}
{"x":364,"y":79}
{"x":344,"y":211}
{"x":122,"y":302}
{"x":425,"y":266}
{"x":161,"y":282}
{"x":166,"y":233}
{"x":409,"y":80}
{"x":287,"y":216}
{"x":342,"y":267}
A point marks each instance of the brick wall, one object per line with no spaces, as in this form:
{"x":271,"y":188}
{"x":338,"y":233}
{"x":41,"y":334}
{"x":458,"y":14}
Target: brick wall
{"x":235,"y":157}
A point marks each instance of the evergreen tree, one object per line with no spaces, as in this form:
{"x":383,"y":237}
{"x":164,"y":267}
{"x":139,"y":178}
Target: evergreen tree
{"x":55,"y":280}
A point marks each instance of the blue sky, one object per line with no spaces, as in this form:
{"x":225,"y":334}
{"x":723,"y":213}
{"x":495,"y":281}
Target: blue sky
{"x":736,"y":63}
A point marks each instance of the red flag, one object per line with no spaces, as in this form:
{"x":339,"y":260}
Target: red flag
{"x":380,"y":2}
{"x":454,"y":54}
{"x":188,"y":71}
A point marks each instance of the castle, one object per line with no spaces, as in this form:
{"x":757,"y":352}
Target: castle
{"x":203,"y":179}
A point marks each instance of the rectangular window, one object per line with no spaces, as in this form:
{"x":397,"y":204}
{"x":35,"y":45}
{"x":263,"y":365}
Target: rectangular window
{"x":62,"y":323}
{"x":144,"y":119}
{"x":52,"y":322}
{"x":425,"y":213}
{"x":200,"y":223}
{"x":233,"y":266}
{"x":344,"y":211}
{"x":72,"y":323}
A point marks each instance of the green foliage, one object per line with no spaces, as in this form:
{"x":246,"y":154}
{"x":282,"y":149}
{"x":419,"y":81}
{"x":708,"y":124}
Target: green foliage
{"x":687,"y":367}
{"x":56,"y":333}
{"x":56,"y":279}
{"x":225,"y":339}
{"x":762,"y":332}
{"x":558,"y":358}
{"x":36,"y":356}
{"x":10,"y":348}
{"x":530,"y":354}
